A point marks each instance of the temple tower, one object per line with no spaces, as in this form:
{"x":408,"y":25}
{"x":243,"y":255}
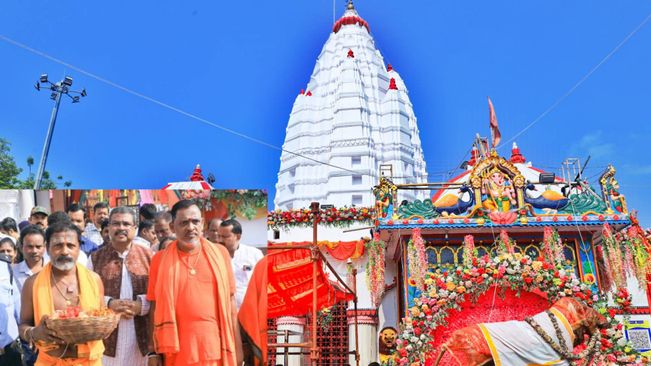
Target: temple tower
{"x":354,"y":114}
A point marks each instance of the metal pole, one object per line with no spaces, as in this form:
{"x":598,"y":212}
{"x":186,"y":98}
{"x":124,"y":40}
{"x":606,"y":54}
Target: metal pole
{"x":314,"y":351}
{"x":355,"y":307}
{"x":48,"y":139}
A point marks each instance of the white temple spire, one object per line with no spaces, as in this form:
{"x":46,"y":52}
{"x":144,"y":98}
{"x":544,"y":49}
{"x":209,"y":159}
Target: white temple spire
{"x":355,"y":118}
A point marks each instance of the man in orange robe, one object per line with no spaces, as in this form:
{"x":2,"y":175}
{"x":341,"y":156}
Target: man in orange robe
{"x":253,"y":316}
{"x":62,"y":283}
{"x":191,"y":288}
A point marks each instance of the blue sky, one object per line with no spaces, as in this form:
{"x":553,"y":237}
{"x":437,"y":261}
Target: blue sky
{"x":241,"y":64}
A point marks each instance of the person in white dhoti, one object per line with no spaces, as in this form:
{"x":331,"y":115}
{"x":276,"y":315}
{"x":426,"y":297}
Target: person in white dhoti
{"x":124,"y":269}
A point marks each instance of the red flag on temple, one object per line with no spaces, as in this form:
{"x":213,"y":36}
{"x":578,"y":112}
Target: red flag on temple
{"x":495,"y":132}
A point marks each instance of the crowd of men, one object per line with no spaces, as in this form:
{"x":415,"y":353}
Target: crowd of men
{"x":176,"y":283}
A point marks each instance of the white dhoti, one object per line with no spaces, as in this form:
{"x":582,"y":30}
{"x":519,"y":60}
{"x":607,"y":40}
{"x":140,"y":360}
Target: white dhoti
{"x":516,"y":343}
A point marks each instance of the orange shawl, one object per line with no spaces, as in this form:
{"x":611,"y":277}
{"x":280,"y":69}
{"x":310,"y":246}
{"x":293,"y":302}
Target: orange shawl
{"x":253,"y":313}
{"x":89,"y":299}
{"x":166,"y":337}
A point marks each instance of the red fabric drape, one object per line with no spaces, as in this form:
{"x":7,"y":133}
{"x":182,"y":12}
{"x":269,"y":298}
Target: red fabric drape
{"x":339,"y":250}
{"x":290,"y":285}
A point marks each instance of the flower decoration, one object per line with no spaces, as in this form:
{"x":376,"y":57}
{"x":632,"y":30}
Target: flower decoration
{"x":447,"y":290}
{"x":375,"y":269}
{"x":336,"y":217}
{"x":417,"y":258}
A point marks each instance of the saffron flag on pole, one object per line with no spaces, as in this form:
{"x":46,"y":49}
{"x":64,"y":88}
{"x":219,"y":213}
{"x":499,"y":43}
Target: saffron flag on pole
{"x":495,"y":131}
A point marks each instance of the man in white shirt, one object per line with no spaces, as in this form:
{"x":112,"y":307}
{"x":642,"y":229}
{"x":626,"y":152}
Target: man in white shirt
{"x":32,"y":239}
{"x":123,"y":267}
{"x":244,"y":257}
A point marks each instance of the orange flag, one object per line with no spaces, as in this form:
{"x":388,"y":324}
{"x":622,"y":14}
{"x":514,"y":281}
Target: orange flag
{"x":495,"y":131}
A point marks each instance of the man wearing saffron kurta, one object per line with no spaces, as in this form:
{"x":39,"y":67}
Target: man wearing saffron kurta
{"x":60,"y":284}
{"x":191,"y":290}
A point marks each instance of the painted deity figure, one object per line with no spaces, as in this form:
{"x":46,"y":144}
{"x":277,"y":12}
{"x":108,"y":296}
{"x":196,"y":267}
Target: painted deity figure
{"x":499,"y":192}
{"x":384,"y":201}
{"x":616,"y":198}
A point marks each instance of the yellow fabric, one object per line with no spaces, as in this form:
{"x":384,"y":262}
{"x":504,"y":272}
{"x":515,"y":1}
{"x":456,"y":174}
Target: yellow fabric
{"x":564,"y":321}
{"x":491,"y":345}
{"x":166,"y":338}
{"x":90,"y":354}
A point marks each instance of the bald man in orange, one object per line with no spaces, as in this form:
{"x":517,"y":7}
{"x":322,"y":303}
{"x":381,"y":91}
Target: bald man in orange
{"x":192,"y":288}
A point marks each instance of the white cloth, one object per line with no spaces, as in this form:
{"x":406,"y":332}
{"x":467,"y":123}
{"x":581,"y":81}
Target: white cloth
{"x":243,"y":263}
{"x":126,"y":351}
{"x":516,"y":343}
{"x":93,"y":233}
{"x":142,"y":242}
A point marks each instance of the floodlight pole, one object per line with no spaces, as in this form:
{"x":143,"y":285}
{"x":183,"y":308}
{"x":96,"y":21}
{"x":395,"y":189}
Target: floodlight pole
{"x":58,"y":91}
{"x":48,"y":139}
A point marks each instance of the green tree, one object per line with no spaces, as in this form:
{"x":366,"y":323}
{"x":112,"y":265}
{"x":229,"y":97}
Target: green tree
{"x":9,"y":171}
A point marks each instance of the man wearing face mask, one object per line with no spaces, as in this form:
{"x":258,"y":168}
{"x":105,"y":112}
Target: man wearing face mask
{"x":123,"y":267}
{"x":192,"y":288}
{"x":60,"y":284}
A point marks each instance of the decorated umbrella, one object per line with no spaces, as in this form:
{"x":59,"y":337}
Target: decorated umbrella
{"x":196,"y":183}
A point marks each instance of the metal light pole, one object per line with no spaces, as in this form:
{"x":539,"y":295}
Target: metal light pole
{"x":58,"y":90}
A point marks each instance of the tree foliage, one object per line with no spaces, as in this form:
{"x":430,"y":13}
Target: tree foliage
{"x":10,"y":172}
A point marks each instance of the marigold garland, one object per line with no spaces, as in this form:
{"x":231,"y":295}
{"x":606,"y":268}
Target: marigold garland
{"x":375,"y":269}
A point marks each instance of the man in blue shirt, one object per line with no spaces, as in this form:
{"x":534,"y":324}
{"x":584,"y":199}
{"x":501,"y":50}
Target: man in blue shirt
{"x":9,"y":314}
{"x":77,"y":215}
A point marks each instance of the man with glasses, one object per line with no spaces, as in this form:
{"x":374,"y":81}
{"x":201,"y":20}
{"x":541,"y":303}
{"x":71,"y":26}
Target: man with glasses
{"x":124,"y":270}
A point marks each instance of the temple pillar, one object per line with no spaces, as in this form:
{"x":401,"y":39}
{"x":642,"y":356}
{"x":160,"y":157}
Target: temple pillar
{"x":295,"y":327}
{"x":367,"y":322}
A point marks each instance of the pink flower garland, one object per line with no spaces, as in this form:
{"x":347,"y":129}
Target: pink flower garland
{"x":469,"y":251}
{"x":417,"y":259}
{"x":375,"y":269}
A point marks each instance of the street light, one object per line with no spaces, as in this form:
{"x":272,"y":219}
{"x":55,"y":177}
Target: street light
{"x":58,"y":89}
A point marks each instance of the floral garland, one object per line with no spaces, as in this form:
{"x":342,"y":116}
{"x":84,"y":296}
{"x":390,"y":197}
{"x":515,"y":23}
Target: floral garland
{"x":417,"y":259}
{"x":504,"y":244}
{"x":375,"y":269}
{"x":336,"y":217}
{"x":445,"y":291}
{"x":469,"y":251}
{"x":552,"y":248}
{"x":626,"y":252}
{"x":325,"y":318}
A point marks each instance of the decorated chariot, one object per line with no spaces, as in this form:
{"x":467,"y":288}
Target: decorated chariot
{"x":502,"y":242}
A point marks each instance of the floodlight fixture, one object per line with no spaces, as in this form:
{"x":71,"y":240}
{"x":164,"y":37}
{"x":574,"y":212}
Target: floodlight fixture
{"x":37,"y":86}
{"x":67,"y":81}
{"x":83,"y":92}
{"x":53,"y":96}
{"x":43,"y":78}
{"x":75,"y":99}
{"x":547,"y":178}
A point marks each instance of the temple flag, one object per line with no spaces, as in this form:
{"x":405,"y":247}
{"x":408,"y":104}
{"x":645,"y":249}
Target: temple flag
{"x":495,"y":131}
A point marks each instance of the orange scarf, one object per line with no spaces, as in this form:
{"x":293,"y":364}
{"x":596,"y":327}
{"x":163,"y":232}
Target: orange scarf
{"x":253,"y":313}
{"x":166,"y":337}
{"x":89,"y":299}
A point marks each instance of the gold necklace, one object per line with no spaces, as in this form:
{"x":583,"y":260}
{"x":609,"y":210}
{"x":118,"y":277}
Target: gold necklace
{"x":191,"y":268}
{"x":68,"y":289}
